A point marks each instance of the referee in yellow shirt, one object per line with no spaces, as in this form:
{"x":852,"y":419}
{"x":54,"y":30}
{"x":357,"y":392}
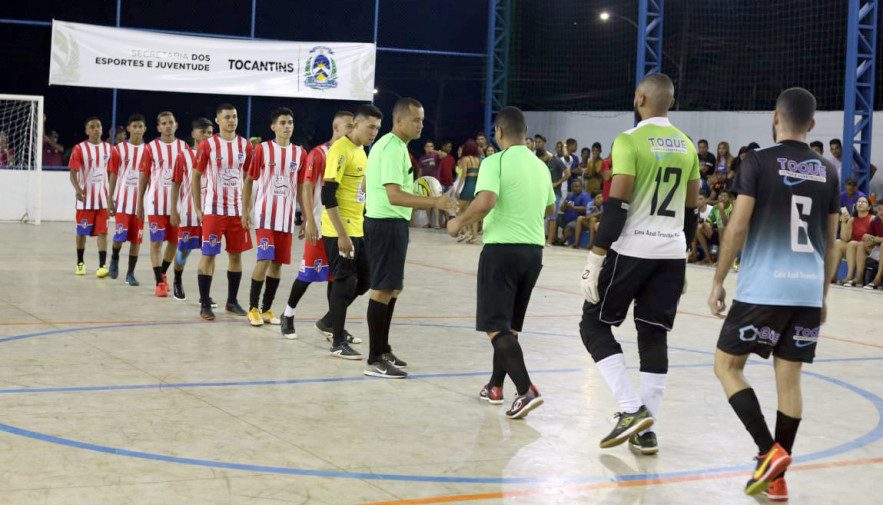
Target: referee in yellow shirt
{"x":343,"y":196}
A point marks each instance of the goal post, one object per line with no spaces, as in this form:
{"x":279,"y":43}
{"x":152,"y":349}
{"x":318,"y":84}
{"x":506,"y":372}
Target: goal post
{"x":21,"y":158}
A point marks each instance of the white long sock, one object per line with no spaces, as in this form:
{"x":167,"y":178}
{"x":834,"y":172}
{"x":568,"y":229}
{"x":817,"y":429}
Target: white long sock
{"x":289,"y":311}
{"x":652,"y":389}
{"x":613,"y":370}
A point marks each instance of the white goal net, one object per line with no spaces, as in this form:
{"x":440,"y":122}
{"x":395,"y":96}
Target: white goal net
{"x":21,"y":157}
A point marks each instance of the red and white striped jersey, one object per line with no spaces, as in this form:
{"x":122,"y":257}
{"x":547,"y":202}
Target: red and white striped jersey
{"x":90,"y":162}
{"x":275,"y":169}
{"x":125,"y":161}
{"x":184,"y":163}
{"x":223,"y":164}
{"x":158,"y":197}
{"x":314,"y":171}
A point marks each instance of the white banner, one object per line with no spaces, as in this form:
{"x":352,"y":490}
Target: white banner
{"x":103,"y":57}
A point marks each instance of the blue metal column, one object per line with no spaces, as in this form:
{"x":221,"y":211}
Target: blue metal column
{"x":113,"y":108}
{"x":496,"y":84}
{"x":649,"y":38}
{"x":254,"y":8}
{"x":858,"y":102}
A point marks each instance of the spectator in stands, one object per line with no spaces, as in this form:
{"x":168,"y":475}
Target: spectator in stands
{"x":52,"y":150}
{"x":706,"y":159}
{"x":559,"y":173}
{"x":704,"y":231}
{"x":724,"y":158}
{"x":717,"y":182}
{"x":468,"y":165}
{"x":593,"y":169}
{"x":584,"y":154}
{"x":540,"y":144}
{"x":837,"y":156}
{"x":606,"y":175}
{"x":529,"y":143}
{"x":850,"y":244}
{"x":734,"y":167}
{"x":446,"y":172}
{"x":573,"y":207}
{"x":489,"y":150}
{"x":719,"y":216}
{"x":7,"y":155}
{"x":850,"y":195}
{"x":481,"y":141}
{"x":430,"y":166}
{"x":817,"y":146}
{"x":572,"y":162}
{"x":591,"y":221}
{"x":872,"y":240}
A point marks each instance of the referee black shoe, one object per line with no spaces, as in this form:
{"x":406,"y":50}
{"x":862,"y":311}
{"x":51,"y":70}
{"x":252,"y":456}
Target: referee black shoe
{"x":626,"y":425}
{"x":389,"y":356}
{"x":385,"y":370}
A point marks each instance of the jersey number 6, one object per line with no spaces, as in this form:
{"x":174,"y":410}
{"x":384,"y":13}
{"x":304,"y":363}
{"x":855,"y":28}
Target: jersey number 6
{"x":663,"y":209}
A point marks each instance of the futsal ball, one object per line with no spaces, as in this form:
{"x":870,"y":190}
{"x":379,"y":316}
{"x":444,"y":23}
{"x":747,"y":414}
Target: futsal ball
{"x":427,"y":186}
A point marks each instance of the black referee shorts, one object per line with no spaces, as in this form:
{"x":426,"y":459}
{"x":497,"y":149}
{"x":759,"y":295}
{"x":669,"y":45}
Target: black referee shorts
{"x":507,"y":274}
{"x":341,"y":268}
{"x":386,"y":241}
{"x":790,"y":333}
{"x":655,"y":285}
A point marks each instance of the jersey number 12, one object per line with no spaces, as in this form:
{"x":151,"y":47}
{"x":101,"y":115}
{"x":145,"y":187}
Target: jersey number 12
{"x":663,"y":209}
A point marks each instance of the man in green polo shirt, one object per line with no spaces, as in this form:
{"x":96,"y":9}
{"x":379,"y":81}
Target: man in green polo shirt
{"x":513,"y":195}
{"x":389,"y":199}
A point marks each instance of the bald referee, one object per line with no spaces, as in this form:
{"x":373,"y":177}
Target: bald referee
{"x":640,"y":255}
{"x":389,"y":194}
{"x":513,"y":194}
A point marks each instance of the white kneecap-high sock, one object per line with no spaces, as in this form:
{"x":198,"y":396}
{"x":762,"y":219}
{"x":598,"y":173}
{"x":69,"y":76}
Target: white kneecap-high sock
{"x":613,"y":370}
{"x":652,"y":389}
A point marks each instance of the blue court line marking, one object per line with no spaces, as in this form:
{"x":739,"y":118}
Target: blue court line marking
{"x":870,"y":437}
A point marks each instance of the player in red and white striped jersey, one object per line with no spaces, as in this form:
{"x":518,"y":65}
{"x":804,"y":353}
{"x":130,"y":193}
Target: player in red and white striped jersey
{"x":275,"y":167}
{"x":182,"y":216}
{"x":88,"y":175}
{"x":125,"y":162}
{"x":221,"y":162}
{"x":314,"y":265}
{"x":155,"y":186}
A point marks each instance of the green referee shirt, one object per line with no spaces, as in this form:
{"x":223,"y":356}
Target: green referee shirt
{"x":524,"y":189}
{"x":388,"y":163}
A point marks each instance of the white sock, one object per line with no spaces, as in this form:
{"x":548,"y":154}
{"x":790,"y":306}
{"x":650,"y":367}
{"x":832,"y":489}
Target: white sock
{"x":289,"y":311}
{"x":613,"y":370}
{"x":652,"y":389}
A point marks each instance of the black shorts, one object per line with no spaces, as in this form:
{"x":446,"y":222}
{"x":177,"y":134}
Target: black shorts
{"x":507,"y":274}
{"x":340,"y":268}
{"x":789,"y":333}
{"x":386,"y":241}
{"x":655,"y":285}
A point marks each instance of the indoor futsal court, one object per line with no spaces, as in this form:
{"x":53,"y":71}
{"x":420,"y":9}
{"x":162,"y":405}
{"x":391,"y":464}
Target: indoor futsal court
{"x":111,"y":395}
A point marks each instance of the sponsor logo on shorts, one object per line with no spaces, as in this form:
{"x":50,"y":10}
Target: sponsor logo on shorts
{"x":84,"y":223}
{"x":765,"y":335}
{"x":185,"y":236}
{"x":265,"y":244}
{"x":805,"y":337}
{"x":154,"y":227}
{"x":120,"y":227}
{"x":317,"y":265}
{"x":213,"y":240}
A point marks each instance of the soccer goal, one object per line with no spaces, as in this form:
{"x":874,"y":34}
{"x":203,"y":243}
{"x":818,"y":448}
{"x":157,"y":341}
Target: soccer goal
{"x":21,"y":157}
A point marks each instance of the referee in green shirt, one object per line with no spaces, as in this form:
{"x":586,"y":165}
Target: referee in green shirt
{"x":513,"y":194}
{"x":389,"y":199}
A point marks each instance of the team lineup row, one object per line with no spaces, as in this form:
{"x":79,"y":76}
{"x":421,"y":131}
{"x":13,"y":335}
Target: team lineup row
{"x":357,"y":208}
